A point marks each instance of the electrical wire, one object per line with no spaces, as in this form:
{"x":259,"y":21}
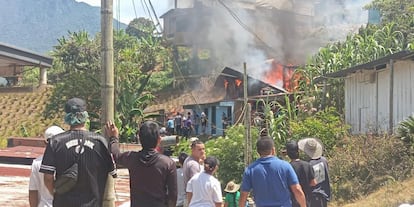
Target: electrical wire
{"x":135,"y":10}
{"x":143,"y":7}
{"x":245,"y":27}
{"x":179,"y":70}
{"x":118,"y":15}
{"x":149,"y":12}
{"x":156,"y":17}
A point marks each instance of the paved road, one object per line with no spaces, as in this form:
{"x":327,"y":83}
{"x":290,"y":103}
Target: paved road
{"x":14,"y":182}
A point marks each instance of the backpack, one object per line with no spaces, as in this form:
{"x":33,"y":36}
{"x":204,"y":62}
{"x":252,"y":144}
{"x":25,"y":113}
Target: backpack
{"x":69,"y":178}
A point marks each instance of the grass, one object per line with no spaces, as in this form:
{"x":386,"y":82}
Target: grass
{"x":391,"y":195}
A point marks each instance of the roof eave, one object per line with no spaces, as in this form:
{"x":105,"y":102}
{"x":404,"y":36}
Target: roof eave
{"x":371,"y":65}
{"x":29,"y":57}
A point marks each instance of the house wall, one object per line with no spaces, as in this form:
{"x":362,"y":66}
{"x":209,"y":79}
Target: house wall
{"x":360,"y":101}
{"x":214,"y":114}
{"x":383,"y":100}
{"x":367,"y":98}
{"x":403,"y":91}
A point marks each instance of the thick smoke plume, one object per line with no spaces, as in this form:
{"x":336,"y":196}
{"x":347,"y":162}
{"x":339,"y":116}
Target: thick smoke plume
{"x":253,"y":31}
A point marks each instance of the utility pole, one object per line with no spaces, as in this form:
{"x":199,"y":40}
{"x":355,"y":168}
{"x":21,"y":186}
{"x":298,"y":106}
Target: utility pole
{"x":107,"y":84}
{"x":247,"y":112}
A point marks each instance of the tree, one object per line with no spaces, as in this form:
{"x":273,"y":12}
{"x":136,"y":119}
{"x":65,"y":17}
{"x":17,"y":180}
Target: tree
{"x":400,"y":12}
{"x":232,"y":156}
{"x":140,"y":28}
{"x":76,"y":72}
{"x":138,"y":65}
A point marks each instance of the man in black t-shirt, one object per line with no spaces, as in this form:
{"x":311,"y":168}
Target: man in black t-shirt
{"x":303,"y":170}
{"x":88,"y":149}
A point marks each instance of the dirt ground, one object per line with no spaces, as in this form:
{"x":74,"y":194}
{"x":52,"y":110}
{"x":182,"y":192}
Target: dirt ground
{"x":14,"y":182}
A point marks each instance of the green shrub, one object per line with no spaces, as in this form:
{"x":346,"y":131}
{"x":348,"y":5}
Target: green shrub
{"x":363,"y":164}
{"x":325,"y":125}
{"x":406,"y":131}
{"x":230,"y":151}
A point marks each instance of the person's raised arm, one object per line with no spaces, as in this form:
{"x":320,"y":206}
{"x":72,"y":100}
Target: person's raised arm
{"x":112,"y":133}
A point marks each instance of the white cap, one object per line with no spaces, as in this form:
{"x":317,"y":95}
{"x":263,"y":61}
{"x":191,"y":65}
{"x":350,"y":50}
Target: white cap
{"x":52,"y":131}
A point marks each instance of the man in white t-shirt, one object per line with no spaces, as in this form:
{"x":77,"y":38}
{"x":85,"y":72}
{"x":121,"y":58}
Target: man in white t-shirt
{"x":39,"y":195}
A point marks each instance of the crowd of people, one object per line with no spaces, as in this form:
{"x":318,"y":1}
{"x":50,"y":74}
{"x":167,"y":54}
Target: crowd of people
{"x":187,"y":125}
{"x":74,"y":170}
{"x":193,"y":124}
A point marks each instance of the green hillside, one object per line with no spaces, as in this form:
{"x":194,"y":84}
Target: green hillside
{"x":36,"y":25}
{"x":21,"y":114}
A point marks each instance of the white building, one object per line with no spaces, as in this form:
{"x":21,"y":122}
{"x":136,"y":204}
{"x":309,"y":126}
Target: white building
{"x":379,"y":94}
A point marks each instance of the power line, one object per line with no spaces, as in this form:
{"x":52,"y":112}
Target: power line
{"x":143,"y":7}
{"x":156,"y":17}
{"x":135,"y":10}
{"x":118,"y":15}
{"x":245,"y":27}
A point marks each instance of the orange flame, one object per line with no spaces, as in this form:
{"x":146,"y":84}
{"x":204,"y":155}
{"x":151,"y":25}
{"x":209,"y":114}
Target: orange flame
{"x":226,"y":83}
{"x":238,"y":82}
{"x":281,"y":76}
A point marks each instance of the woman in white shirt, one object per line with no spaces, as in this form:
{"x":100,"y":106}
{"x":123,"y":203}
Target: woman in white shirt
{"x":203,"y":189}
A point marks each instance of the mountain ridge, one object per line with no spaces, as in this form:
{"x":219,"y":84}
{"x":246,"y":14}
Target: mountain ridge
{"x":22,"y":25}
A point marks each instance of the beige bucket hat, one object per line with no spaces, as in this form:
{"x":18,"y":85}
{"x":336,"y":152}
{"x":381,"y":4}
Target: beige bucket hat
{"x":313,"y":147}
{"x":232,"y":187}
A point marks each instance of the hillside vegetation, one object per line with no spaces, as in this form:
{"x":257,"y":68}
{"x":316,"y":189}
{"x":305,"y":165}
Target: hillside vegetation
{"x":21,"y":115}
{"x":390,"y":195}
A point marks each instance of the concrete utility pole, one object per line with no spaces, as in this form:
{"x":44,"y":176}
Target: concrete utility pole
{"x":107,"y":88}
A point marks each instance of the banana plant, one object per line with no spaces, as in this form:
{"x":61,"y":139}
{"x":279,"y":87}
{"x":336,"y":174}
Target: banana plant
{"x":405,"y":130}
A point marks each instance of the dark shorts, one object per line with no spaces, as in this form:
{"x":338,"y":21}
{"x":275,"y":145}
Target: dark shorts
{"x":318,"y":200}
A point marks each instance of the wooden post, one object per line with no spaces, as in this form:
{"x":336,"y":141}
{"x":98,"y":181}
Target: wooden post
{"x":391,"y":112}
{"x":247,"y":116}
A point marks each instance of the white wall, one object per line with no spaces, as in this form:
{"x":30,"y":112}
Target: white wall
{"x":403,"y":91}
{"x":367,"y":101}
{"x":360,"y":102}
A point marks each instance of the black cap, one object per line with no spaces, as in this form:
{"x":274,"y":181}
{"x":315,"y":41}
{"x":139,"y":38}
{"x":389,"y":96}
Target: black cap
{"x":292,"y":146}
{"x":74,"y":105}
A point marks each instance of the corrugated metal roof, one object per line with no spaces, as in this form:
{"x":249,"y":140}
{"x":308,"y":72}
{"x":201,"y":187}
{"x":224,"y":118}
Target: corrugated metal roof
{"x":24,"y":56}
{"x":13,"y":59}
{"x":371,"y":65}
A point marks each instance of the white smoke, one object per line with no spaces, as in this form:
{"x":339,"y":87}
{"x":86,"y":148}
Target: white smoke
{"x":253,"y":31}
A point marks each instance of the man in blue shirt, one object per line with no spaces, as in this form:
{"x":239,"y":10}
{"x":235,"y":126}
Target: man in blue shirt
{"x":270,"y":179}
